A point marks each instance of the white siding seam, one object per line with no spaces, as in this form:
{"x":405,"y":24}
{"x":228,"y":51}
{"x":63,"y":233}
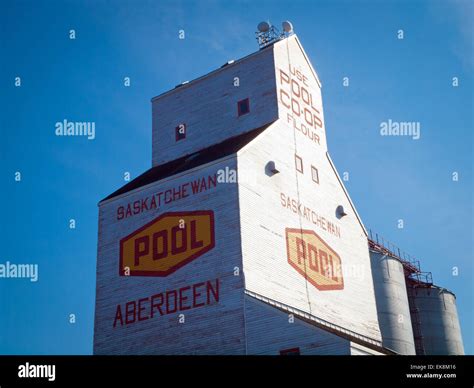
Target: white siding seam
{"x":298,"y":195}
{"x":242,"y":252}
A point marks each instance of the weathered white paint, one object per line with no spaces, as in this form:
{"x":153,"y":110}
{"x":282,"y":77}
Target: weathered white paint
{"x":214,"y":329}
{"x":208,"y":107}
{"x":270,"y":331}
{"x":250,"y":224}
{"x":263,"y":219}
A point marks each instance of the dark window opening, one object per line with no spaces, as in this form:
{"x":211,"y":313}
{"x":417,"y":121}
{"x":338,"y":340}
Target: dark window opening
{"x":290,"y":352}
{"x":243,"y":107}
{"x":315,"y":174}
{"x":299,"y":164}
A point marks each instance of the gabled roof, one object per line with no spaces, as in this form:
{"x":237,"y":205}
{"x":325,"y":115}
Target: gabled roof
{"x":187,"y":162}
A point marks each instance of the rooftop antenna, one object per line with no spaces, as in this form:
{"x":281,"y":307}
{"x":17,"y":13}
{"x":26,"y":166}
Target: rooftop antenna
{"x":268,"y":34}
{"x":287,"y":27}
{"x":263,"y":27}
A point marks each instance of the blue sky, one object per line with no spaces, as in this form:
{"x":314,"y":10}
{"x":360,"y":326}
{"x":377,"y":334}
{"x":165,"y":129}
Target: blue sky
{"x":391,"y":178}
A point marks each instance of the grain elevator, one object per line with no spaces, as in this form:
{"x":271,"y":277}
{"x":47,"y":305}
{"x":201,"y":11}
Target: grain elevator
{"x":242,"y":239}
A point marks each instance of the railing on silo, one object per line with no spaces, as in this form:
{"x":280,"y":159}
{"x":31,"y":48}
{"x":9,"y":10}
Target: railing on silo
{"x":415,"y":278}
{"x":410,"y":264}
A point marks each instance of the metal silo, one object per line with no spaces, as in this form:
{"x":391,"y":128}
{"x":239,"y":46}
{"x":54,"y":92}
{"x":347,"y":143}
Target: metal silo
{"x":392,"y":303}
{"x":438,"y":320}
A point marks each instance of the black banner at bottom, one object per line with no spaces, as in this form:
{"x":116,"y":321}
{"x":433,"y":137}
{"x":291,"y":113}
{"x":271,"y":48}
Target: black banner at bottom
{"x":137,"y":371}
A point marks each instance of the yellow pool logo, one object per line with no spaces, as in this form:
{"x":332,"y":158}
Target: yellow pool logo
{"x":167,"y":243}
{"x":311,"y":257}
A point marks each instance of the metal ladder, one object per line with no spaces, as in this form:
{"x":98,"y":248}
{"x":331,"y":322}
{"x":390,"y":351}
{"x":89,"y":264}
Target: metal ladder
{"x":415,"y":320}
